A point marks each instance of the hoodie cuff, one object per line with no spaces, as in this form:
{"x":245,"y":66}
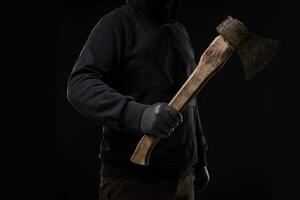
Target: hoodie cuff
{"x":131,"y":116}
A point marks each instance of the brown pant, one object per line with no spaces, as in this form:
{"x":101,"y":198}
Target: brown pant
{"x":120,"y":189}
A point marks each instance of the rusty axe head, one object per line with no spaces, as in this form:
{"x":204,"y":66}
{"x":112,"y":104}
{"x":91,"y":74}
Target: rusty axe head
{"x":255,"y":51}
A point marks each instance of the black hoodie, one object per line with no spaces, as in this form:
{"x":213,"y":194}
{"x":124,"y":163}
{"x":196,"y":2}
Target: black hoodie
{"x":135,"y":56}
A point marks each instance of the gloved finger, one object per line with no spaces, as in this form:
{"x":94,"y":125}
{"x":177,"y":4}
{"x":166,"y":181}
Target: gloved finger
{"x":176,"y":115}
{"x":172,"y":123}
{"x":167,"y":127}
{"x":164,"y":132}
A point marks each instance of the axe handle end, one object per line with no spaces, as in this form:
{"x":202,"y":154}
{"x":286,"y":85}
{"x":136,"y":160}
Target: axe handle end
{"x":144,"y":149}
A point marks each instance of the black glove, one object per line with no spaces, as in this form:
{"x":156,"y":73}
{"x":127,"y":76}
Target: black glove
{"x":160,"y":120}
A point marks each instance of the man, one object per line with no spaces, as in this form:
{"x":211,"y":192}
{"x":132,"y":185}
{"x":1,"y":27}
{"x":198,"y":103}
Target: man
{"x":133,"y":63}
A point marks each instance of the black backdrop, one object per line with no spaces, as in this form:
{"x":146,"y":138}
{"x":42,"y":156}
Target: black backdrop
{"x":241,"y":119}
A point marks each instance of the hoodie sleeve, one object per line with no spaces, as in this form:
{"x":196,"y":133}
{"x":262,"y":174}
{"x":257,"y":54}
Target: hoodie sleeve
{"x":89,"y":89}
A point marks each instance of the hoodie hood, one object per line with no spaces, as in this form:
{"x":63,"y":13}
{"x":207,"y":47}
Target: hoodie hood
{"x":157,"y":11}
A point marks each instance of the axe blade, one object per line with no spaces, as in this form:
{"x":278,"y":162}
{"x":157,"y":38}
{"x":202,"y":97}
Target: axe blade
{"x":256,"y":53}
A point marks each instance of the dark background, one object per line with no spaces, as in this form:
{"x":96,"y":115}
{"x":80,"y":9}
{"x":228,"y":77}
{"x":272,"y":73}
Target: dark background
{"x":243,"y":121}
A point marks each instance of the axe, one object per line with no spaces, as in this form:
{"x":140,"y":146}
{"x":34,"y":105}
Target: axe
{"x":254,"y":51}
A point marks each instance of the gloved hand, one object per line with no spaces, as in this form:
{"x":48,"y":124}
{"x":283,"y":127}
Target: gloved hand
{"x":160,"y":120}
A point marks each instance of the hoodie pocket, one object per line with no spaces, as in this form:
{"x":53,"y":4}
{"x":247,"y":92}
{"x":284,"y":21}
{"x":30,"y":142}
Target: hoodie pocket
{"x":191,"y":145}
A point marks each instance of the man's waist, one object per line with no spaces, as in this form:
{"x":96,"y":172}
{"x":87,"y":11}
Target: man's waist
{"x":132,"y":171}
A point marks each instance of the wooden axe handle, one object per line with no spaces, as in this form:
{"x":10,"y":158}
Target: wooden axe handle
{"x":210,"y":63}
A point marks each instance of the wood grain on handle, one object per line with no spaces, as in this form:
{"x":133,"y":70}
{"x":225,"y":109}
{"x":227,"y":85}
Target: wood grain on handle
{"x":210,"y":63}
